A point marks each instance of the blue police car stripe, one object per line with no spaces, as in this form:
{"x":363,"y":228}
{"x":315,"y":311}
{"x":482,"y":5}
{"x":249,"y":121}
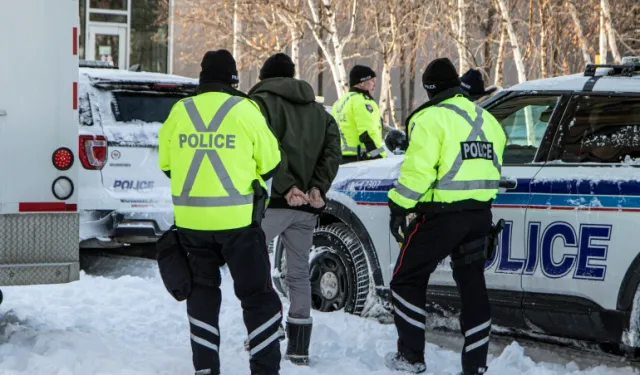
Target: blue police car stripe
{"x":594,"y":195}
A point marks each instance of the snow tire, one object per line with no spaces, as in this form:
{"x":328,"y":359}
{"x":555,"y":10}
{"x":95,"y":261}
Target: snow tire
{"x":335,"y":241}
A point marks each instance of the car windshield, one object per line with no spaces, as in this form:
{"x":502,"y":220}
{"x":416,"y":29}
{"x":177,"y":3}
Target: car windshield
{"x":147,"y":107}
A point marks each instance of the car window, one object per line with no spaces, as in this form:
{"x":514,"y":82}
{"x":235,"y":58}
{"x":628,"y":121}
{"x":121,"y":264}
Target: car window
{"x":147,"y":107}
{"x":525,"y":120}
{"x":84,"y":110}
{"x":602,"y":130}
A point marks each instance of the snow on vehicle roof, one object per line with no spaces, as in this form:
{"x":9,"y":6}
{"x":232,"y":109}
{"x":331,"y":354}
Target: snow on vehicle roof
{"x":116,"y":75}
{"x":576,"y":82}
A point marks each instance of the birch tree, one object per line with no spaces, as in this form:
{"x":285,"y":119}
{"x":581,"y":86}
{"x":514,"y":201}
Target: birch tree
{"x":579,"y":31}
{"x":502,"y":46}
{"x":513,"y":39}
{"x":611,"y":33}
{"x":334,"y":46}
{"x":603,"y":40}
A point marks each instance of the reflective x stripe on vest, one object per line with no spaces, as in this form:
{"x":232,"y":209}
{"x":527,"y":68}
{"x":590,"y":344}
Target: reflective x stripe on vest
{"x":345,"y":145}
{"x":234,"y":197}
{"x":446,"y":182}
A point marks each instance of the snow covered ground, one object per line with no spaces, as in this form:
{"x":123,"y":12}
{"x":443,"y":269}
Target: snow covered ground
{"x":111,"y":322}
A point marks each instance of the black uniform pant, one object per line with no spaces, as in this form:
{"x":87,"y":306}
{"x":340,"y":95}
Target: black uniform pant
{"x":428,"y":241}
{"x":245,"y":252}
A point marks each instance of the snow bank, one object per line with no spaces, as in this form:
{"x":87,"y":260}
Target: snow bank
{"x":129,"y":325}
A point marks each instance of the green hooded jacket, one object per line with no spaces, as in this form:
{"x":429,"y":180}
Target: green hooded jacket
{"x":308,"y":135}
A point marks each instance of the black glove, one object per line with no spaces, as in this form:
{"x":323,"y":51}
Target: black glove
{"x":397,"y":221}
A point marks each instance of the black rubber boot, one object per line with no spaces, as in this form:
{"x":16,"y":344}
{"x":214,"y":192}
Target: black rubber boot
{"x":299,"y":334}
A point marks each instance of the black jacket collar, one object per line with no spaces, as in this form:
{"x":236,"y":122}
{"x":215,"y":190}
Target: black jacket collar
{"x":214,"y":86}
{"x":439,"y":98}
{"x":361,"y":91}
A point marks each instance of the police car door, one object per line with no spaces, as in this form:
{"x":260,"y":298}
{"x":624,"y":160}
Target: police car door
{"x":517,"y":112}
{"x":582,"y":223}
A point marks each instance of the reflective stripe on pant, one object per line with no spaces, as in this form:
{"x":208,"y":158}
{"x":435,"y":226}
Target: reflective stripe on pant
{"x":245,"y":252}
{"x":430,"y":240}
{"x":295,"y":229}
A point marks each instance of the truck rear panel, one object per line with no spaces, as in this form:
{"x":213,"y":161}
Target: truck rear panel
{"x":39,"y":223}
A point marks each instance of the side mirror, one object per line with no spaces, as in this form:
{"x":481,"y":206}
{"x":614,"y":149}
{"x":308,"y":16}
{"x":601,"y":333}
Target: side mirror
{"x":396,"y":141}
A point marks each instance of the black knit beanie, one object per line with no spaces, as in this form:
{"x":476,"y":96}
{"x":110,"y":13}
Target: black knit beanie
{"x":219,"y":66}
{"x":439,"y":76}
{"x":360,"y":73}
{"x":278,"y":65}
{"x":473,"y":82}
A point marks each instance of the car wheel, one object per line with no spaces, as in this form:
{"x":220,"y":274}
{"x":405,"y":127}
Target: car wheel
{"x":338,"y":270}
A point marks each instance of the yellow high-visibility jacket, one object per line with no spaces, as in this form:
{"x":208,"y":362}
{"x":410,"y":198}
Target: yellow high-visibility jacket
{"x":359,"y":120}
{"x":455,"y":154}
{"x":215,"y":145}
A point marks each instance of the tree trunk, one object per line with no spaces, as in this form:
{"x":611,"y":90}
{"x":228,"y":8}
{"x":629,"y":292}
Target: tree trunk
{"x":488,"y":38}
{"x":501,"y":52}
{"x":611,"y":33}
{"x":413,"y":62}
{"x":236,"y":31}
{"x":392,"y":106}
{"x":320,"y":58}
{"x":603,"y":40}
{"x":462,"y":36}
{"x":384,"y":90}
{"x":513,"y":38}
{"x":295,"y":49}
{"x":542,"y":8}
{"x":580,"y":32}
{"x":403,"y":82}
{"x":341,"y":79}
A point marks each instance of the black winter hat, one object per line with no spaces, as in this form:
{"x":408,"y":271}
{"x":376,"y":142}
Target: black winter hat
{"x":278,"y":65}
{"x":439,"y":76}
{"x":219,"y":66}
{"x":473,"y":82}
{"x":360,"y":73}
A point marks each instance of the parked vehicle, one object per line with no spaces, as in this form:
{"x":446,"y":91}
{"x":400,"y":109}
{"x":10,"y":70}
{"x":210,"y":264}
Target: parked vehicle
{"x":568,"y":263}
{"x":124,"y":196}
{"x":38,"y":142}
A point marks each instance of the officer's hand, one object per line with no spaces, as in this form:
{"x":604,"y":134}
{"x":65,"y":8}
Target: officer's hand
{"x":296,"y":197}
{"x":397,"y":221}
{"x":315,"y":198}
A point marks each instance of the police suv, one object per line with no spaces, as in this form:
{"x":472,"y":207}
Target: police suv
{"x":568,"y":260}
{"x":124,"y":197}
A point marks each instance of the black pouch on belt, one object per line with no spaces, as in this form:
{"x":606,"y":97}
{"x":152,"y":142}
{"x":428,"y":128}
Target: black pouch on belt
{"x":173,"y":264}
{"x":259,"y":202}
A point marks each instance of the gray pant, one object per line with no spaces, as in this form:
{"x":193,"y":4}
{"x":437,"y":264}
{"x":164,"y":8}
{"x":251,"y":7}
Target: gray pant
{"x":295,"y":229}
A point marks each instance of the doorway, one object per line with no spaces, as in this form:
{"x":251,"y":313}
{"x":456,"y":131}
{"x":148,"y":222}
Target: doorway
{"x":108,"y":43}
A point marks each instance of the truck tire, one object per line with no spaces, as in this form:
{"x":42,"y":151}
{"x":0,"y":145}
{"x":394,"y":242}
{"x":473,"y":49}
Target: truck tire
{"x":338,"y":270}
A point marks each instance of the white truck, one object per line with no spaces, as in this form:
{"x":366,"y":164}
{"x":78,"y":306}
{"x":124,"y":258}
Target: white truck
{"x":39,"y":221}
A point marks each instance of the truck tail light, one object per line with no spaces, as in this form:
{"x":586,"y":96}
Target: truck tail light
{"x":93,"y":151}
{"x":62,"y":158}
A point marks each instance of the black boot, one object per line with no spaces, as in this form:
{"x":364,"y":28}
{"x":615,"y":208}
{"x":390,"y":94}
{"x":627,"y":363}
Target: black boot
{"x":299,"y":334}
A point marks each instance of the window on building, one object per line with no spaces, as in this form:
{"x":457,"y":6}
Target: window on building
{"x":109,"y":4}
{"x":603,"y":130}
{"x":525,"y":120}
{"x":149,"y":35}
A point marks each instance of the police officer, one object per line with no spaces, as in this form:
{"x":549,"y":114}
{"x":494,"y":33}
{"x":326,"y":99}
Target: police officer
{"x":473,"y":83}
{"x":449,"y":177}
{"x":219,"y":152}
{"x":359,"y":119}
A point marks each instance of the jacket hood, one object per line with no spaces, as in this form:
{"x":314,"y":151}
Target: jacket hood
{"x":291,"y":89}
